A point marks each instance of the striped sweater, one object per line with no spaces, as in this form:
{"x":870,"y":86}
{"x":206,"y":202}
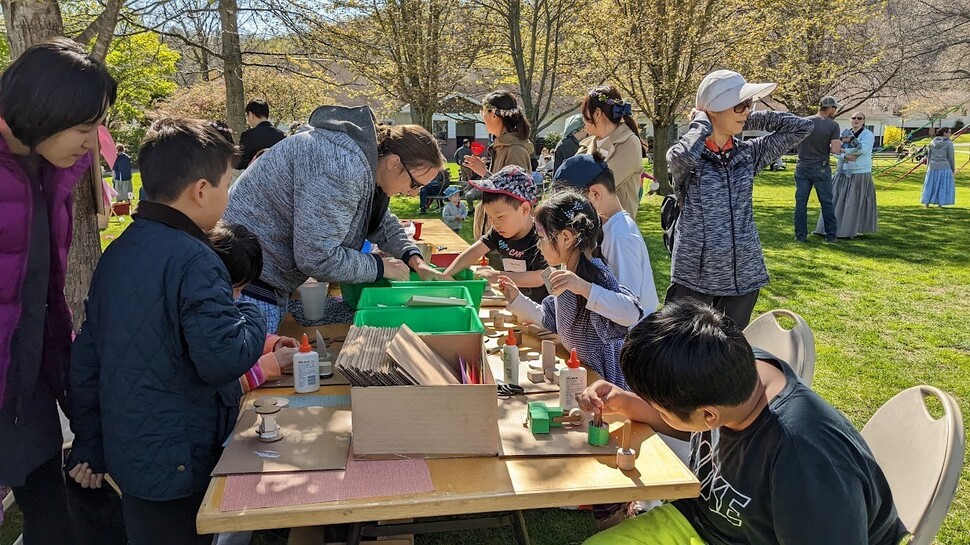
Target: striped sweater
{"x":266,"y":368}
{"x":717,"y":250}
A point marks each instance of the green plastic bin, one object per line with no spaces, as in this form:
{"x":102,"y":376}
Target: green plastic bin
{"x":399,"y":297}
{"x":476,"y":287}
{"x":446,"y":320}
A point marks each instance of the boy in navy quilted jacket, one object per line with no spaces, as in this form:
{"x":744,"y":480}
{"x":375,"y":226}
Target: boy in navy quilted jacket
{"x":155,"y":367}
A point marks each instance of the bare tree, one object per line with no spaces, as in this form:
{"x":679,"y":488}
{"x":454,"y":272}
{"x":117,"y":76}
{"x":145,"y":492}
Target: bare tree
{"x":413,"y":51}
{"x":542,"y":42}
{"x":666,"y":48}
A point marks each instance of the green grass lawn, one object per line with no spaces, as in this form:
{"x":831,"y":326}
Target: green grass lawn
{"x":889,"y":311}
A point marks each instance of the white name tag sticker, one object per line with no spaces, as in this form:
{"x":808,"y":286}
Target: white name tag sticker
{"x":513,"y":265}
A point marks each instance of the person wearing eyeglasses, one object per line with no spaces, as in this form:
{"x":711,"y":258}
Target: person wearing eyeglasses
{"x":315,"y":197}
{"x":505,"y":121}
{"x":853,"y":192}
{"x":717,"y":257}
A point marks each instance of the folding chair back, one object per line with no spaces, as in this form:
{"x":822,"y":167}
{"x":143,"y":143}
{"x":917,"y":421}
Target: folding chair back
{"x":921,"y":457}
{"x":796,"y":345}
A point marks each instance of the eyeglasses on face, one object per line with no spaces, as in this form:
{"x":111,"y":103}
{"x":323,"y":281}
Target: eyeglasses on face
{"x":740,"y":108}
{"x":858,"y":119}
{"x":415,"y":184}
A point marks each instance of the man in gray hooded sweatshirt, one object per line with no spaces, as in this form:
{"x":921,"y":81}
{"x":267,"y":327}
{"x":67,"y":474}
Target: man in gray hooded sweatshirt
{"x":316,"y":196}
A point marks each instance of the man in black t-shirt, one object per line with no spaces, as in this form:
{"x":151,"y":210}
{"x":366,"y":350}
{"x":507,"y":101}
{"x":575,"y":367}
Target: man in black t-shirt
{"x":776,"y":463}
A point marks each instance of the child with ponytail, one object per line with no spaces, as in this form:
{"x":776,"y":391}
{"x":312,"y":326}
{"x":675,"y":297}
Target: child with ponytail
{"x":588,"y":308}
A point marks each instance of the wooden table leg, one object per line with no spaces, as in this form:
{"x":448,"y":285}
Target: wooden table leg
{"x":519,"y":528}
{"x":355,"y":533}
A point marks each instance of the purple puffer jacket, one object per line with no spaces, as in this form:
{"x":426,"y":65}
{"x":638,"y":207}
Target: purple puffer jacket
{"x":16,"y":206}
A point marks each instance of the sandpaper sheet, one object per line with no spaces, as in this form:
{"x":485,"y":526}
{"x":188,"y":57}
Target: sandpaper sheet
{"x":314,"y":438}
{"x":362,"y":479}
{"x":518,"y":440}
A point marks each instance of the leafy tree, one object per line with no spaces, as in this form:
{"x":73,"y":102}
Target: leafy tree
{"x":145,"y":70}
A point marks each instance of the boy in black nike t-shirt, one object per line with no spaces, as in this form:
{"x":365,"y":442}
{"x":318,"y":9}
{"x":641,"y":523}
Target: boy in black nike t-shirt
{"x":777,"y":464}
{"x":508,"y":197}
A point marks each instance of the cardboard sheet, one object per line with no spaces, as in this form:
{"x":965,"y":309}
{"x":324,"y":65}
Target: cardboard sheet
{"x":314,"y":438}
{"x":362,"y":479}
{"x":286,"y":381}
{"x":419,"y":361}
{"x":517,"y":440}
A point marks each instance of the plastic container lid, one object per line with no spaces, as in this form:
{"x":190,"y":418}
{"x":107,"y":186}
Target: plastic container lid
{"x":573,"y":362}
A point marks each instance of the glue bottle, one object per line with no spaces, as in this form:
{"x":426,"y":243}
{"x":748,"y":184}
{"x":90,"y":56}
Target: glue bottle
{"x":572,"y":381}
{"x":306,"y":369}
{"x":510,"y":356}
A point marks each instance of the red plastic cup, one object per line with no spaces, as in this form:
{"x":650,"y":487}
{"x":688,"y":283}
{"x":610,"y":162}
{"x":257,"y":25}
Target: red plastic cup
{"x":417,"y":229}
{"x":477,"y":148}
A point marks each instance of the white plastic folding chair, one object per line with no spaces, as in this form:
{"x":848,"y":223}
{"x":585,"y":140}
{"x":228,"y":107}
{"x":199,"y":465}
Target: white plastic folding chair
{"x":921,"y":457}
{"x":796,"y":345}
{"x":8,"y":501}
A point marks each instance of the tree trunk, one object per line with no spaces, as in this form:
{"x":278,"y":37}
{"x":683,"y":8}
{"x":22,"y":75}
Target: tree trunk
{"x":109,"y":20}
{"x":661,"y":141}
{"x":85,"y":248}
{"x":31,"y":22}
{"x":232,"y":66}
{"x":423,"y":116}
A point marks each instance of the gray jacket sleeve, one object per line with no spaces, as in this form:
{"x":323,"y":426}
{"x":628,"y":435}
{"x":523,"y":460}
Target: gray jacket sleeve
{"x":683,"y":156}
{"x":787,"y":131}
{"x":952,"y":156}
{"x":390,"y":237}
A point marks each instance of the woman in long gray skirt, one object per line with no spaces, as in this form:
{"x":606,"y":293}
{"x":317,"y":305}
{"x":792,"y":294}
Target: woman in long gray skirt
{"x":853,"y":192}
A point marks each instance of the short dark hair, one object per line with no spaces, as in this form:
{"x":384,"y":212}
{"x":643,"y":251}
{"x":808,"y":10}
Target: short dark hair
{"x":239,"y":250}
{"x":494,"y":196}
{"x":177,"y":152}
{"x":258,"y":107}
{"x":687,"y":355}
{"x":51,"y":87}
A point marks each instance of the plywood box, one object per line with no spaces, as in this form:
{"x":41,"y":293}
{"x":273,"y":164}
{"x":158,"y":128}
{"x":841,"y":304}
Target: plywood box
{"x":429,"y":421}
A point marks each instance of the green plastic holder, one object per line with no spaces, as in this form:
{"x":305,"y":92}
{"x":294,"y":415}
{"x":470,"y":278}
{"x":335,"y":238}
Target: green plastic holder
{"x":476,"y":287}
{"x":430,"y":320}
{"x":599,"y":437}
{"x":399,"y":296}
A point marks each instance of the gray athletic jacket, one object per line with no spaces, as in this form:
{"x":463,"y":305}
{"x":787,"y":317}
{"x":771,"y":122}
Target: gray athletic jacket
{"x":717,"y":250}
{"x":308,"y":199}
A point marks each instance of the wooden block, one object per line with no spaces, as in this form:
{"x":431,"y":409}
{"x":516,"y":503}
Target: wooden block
{"x":537,"y":376}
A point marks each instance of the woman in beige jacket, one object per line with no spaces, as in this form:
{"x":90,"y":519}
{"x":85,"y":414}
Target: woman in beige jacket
{"x":503,"y":120}
{"x":613,"y":132}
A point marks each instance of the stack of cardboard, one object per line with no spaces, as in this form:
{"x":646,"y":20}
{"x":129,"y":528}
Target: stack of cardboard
{"x":382,"y":356}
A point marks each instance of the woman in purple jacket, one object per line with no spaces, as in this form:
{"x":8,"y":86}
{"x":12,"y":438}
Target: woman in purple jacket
{"x":52,"y":99}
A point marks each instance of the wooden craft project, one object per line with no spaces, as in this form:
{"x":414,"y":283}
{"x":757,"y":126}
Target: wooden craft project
{"x":549,"y":360}
{"x":599,"y":431}
{"x":542,"y":418}
{"x":268,"y":431}
{"x":518,"y":440}
{"x":626,"y":457}
{"x":311,"y":439}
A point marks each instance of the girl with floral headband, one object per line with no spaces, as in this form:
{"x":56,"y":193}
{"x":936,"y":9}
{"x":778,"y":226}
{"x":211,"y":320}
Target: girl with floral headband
{"x":613,"y":132}
{"x":512,"y":146}
{"x":588,"y":308}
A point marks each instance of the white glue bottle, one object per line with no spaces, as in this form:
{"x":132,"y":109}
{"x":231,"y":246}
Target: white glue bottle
{"x":306,"y":369}
{"x":510,"y":356}
{"x":572,"y":382}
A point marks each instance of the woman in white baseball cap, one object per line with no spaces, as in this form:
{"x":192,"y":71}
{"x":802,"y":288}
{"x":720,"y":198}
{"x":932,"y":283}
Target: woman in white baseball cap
{"x":716,"y":255}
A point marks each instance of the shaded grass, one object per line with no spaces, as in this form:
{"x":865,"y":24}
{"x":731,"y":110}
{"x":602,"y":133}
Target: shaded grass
{"x":889,"y":310}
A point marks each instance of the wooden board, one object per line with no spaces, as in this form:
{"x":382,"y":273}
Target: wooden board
{"x":314,"y":438}
{"x":517,"y":440}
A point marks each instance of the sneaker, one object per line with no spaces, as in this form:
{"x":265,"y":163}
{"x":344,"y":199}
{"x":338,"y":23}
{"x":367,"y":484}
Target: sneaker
{"x":801,"y":239}
{"x":832,"y":240}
